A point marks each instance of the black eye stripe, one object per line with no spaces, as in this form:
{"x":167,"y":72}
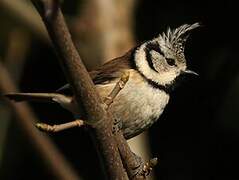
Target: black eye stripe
{"x":149,"y":59}
{"x":155,"y":47}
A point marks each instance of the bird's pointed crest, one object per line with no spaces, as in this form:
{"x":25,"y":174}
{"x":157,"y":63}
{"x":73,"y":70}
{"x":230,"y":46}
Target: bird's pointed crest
{"x":176,"y":38}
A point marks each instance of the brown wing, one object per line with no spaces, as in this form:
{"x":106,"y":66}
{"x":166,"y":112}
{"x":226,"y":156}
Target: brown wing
{"x":112,"y":69}
{"x":107,"y":72}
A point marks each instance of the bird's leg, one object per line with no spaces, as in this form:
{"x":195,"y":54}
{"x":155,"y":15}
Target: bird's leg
{"x":59,"y":127}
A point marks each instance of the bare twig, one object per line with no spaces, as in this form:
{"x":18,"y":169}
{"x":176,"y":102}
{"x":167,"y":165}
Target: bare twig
{"x":60,"y":168}
{"x":59,"y":127}
{"x":85,"y":93}
{"x":118,"y":87}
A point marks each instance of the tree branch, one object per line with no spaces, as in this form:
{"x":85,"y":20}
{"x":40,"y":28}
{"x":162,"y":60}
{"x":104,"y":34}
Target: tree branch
{"x":84,"y":91}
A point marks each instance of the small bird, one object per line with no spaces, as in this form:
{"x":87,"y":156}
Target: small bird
{"x":154,"y":67}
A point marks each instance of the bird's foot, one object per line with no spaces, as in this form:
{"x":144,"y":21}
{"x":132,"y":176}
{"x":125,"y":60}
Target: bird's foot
{"x":143,"y":169}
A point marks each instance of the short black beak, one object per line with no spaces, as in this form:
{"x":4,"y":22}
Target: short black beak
{"x":187,"y":71}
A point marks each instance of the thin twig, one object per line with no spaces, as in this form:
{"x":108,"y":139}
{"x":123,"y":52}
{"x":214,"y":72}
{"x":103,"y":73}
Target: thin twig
{"x":85,"y":92}
{"x":59,"y":127}
{"x":59,"y":166}
{"x":118,"y":87}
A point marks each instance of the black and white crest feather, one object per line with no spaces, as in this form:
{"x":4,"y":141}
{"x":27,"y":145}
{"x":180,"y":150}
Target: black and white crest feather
{"x":175,"y":39}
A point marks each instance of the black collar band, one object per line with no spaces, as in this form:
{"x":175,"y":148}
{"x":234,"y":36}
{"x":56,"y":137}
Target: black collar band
{"x":167,"y":88}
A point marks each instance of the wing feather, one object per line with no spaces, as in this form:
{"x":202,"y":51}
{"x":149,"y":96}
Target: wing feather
{"x":109,"y":71}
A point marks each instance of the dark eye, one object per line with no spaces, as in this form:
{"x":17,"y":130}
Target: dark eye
{"x":170,"y":61}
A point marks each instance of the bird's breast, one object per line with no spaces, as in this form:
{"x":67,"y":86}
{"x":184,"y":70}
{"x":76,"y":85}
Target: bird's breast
{"x":138,"y":105}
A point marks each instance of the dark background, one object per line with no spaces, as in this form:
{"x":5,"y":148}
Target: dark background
{"x":196,"y":138}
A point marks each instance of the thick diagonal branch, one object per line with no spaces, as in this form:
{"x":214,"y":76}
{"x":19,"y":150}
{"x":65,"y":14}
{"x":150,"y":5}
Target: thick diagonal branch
{"x":84,"y":91}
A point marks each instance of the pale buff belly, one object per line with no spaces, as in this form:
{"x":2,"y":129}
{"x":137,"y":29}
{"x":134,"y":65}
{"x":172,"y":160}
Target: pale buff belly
{"x":138,"y":105}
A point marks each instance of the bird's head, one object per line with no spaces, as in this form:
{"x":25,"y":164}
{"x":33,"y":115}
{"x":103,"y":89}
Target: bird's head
{"x":162,"y":59}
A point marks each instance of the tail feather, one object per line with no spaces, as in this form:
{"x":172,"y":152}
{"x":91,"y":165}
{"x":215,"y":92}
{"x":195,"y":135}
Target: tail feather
{"x":65,"y":101}
{"x":43,"y":97}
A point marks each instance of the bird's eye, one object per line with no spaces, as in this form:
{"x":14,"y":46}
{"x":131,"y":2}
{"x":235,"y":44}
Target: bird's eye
{"x":170,"y":61}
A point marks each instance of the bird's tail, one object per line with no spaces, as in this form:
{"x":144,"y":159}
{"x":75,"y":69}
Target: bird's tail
{"x":42,"y":97}
{"x":66,"y":102}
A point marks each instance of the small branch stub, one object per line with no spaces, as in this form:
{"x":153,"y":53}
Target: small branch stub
{"x":118,"y":87}
{"x":59,"y":127}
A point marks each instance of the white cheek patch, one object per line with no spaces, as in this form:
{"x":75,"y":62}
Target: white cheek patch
{"x":161,"y":77}
{"x":158,"y":60}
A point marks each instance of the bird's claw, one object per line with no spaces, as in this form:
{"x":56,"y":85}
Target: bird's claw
{"x":143,"y":169}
